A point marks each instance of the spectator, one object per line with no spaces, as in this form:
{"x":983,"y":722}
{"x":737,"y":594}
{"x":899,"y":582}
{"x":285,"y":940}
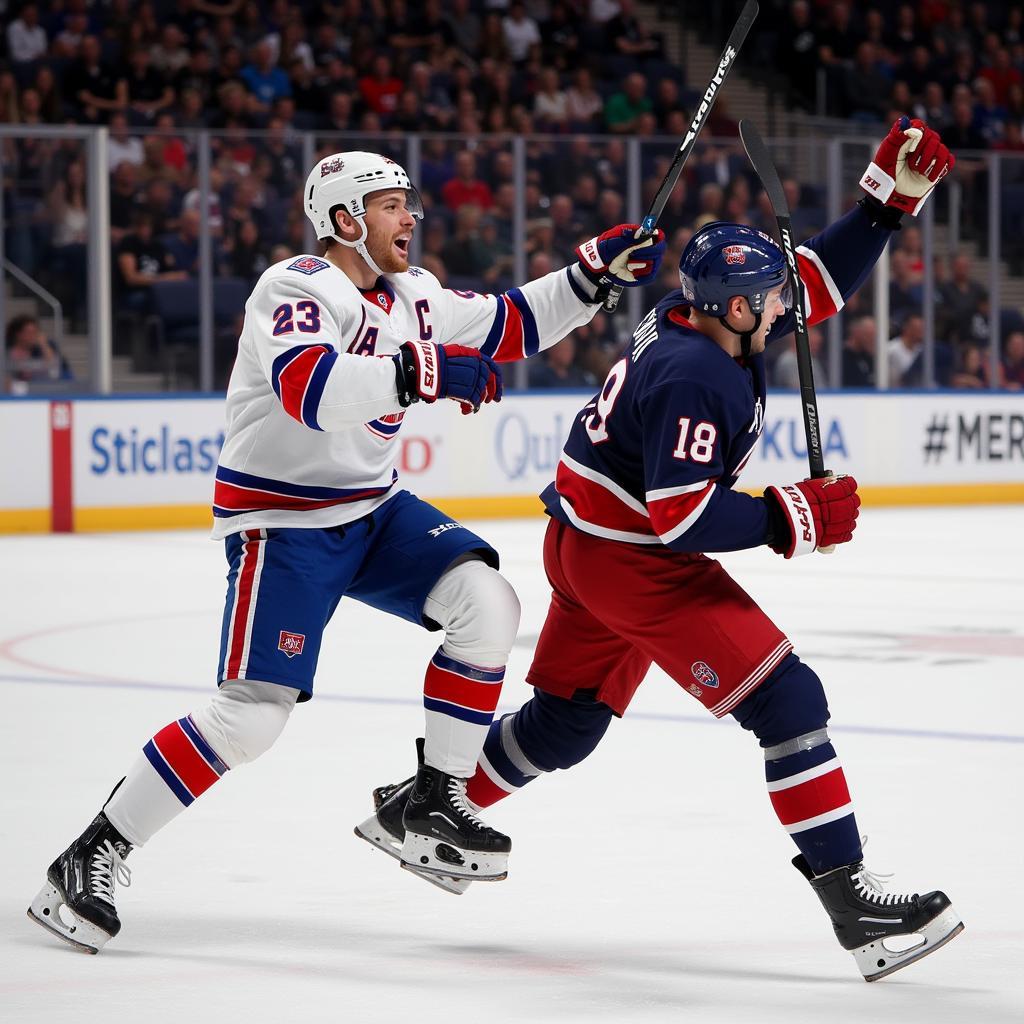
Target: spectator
{"x":624,"y":108}
{"x":124,"y":184}
{"x":294,"y":46}
{"x":263,"y":79}
{"x":866,"y":87}
{"x":381,"y":89}
{"x":561,"y":38}
{"x":196,"y":74}
{"x":628,"y":36}
{"x":246,"y":254}
{"x":465,"y":254}
{"x":190,"y":112}
{"x":566,"y":228}
{"x":169,"y":56}
{"x":837,"y":40}
{"x":70,"y":220}
{"x":91,"y":86}
{"x":933,"y":108}
{"x":859,"y":353}
{"x":26,"y":38}
{"x":797,"y":52}
{"x":31,"y":356}
{"x":464,"y":23}
{"x":550,"y":103}
{"x":961,"y":297}
{"x":183,"y":246}
{"x":583,"y":103}
{"x":435,"y":103}
{"x":123,"y":147}
{"x":141,"y":261}
{"x":905,"y":292}
{"x":556,"y":368}
{"x":340,"y":112}
{"x":492,"y":38}
{"x":971,"y":371}
{"x":147,"y":93}
{"x":785,"y":372}
{"x":904,"y":351}
{"x":597,"y":346}
{"x":963,"y":133}
{"x":9,"y":112}
{"x":465,"y":187}
{"x":522,"y":36}
{"x":1013,"y":361}
{"x":1002,"y":75}
{"x":911,"y":243}
{"x":68,"y":40}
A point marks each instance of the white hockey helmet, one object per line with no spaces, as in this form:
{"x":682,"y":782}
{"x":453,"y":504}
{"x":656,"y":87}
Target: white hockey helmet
{"x":346,"y":179}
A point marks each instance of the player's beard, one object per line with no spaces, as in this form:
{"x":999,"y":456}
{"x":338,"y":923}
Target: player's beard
{"x":382,"y":249}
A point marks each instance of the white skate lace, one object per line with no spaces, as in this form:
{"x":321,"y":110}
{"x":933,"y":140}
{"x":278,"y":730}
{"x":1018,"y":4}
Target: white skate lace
{"x":108,"y":867}
{"x":457,"y":799}
{"x":871,"y":887}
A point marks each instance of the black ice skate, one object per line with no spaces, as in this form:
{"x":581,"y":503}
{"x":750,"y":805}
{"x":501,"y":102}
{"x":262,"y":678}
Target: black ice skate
{"x":883,"y":931}
{"x":443,"y":836}
{"x":77,"y":901}
{"x":384,"y":830}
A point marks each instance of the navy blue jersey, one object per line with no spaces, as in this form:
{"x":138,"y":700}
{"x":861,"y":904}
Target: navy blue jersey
{"x":653,"y":457}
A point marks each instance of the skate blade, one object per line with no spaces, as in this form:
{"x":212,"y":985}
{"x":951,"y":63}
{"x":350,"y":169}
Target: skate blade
{"x":430,"y":856}
{"x":380,"y":838}
{"x":82,"y":935}
{"x":876,"y":961}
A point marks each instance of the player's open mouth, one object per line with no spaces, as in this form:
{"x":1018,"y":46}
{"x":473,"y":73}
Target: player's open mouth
{"x":402,"y":244}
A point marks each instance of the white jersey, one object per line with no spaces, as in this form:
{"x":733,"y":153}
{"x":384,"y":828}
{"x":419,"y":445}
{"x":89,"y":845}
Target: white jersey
{"x":312,"y":411}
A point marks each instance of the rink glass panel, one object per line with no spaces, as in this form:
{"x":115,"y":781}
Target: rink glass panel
{"x":45,"y":245}
{"x":544,"y":194}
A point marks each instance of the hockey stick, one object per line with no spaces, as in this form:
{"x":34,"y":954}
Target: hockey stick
{"x":725,"y":63}
{"x":763,"y":164}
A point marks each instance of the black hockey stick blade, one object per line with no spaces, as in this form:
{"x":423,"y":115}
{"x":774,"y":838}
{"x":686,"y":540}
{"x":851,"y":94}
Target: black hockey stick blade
{"x":660,"y":201}
{"x":764,"y":165}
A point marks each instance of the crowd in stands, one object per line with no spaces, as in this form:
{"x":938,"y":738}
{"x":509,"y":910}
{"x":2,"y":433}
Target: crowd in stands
{"x":258,"y":75}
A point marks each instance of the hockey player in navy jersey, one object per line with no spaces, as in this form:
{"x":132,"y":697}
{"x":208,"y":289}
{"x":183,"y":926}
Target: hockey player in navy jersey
{"x":645,"y":487}
{"x":333,"y":350}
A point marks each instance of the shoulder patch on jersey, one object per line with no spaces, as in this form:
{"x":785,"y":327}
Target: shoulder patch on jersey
{"x":308,"y":265}
{"x":415,"y":271}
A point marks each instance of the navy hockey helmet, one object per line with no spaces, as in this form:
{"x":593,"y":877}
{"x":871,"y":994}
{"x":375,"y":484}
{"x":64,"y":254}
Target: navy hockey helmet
{"x":724,"y":259}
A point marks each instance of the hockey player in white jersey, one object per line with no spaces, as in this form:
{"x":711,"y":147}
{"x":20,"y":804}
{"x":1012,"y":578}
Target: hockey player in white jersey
{"x":333,"y":350}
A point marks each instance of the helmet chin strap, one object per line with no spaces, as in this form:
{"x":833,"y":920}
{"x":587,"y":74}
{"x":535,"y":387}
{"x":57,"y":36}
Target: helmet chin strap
{"x":360,"y":246}
{"x":746,"y":337}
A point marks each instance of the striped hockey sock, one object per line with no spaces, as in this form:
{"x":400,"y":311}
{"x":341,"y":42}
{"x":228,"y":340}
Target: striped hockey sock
{"x":459,"y":699}
{"x":809,"y":793}
{"x":176,"y":766}
{"x":503,"y":768}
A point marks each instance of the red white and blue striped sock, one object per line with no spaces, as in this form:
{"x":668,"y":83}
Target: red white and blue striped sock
{"x":503,"y":768}
{"x":459,"y":699}
{"x":176,"y":766}
{"x":809,"y":793}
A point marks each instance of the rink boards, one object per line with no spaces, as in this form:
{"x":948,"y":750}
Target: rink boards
{"x":148,"y":462}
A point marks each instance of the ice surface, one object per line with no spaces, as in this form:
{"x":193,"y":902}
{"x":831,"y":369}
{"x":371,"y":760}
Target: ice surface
{"x":651,"y":883}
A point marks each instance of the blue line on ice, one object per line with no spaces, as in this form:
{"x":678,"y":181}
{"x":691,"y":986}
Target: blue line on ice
{"x":648,"y":716}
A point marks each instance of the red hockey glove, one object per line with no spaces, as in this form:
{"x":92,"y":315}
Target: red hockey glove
{"x":812,"y":514}
{"x":909,"y":162}
{"x":426,"y":372}
{"x":617,"y":258}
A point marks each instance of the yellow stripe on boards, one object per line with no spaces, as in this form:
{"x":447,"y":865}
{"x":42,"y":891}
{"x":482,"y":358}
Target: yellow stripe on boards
{"x":143,"y":517}
{"x":24,"y":520}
